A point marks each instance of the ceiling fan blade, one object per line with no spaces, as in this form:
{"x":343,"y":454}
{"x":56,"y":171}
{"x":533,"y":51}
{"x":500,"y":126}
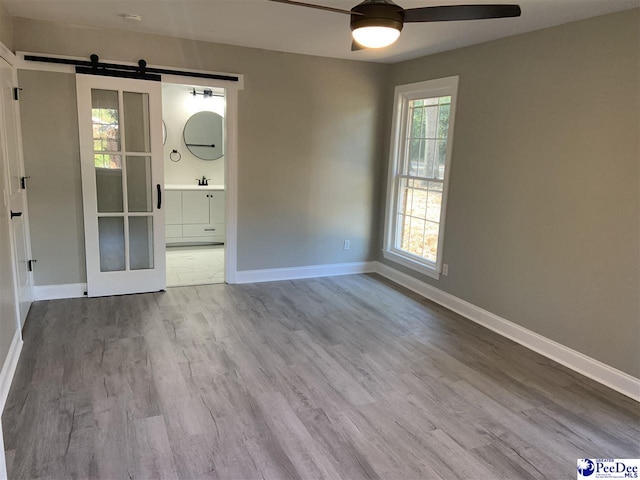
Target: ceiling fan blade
{"x":450,"y":13}
{"x":319,"y":7}
{"x":355,"y":46}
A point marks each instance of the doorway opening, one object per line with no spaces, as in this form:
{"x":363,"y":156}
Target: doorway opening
{"x":194,"y":136}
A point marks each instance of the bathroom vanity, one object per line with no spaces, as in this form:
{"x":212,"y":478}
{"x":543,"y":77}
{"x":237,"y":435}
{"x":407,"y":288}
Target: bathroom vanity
{"x":194,"y":215}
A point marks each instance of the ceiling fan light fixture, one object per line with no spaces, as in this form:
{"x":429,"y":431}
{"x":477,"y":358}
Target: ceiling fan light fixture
{"x":378,"y":23}
{"x":375,"y":37}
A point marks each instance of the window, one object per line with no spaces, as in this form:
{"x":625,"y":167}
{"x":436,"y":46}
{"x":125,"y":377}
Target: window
{"x":421,"y":141}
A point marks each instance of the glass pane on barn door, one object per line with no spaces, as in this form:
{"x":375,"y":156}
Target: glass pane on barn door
{"x":111,"y":244}
{"x":137,"y":131}
{"x":139,"y":192}
{"x":109,"y":182}
{"x":105,"y":120}
{"x":140,"y":243}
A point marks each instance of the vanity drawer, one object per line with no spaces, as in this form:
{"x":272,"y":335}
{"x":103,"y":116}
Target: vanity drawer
{"x":216,"y":229}
{"x":173,"y":231}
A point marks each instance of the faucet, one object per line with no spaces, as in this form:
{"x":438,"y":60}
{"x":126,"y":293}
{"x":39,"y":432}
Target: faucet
{"x":203,"y":182}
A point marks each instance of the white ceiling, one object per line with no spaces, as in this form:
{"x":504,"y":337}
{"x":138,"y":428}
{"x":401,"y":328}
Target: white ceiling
{"x":273,"y":26}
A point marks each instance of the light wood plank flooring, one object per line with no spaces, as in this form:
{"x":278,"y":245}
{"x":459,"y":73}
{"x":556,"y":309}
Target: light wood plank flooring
{"x":346,"y":377}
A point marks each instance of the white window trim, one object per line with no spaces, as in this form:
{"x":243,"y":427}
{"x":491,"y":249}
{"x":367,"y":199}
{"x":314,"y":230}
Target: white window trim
{"x":403,"y":94}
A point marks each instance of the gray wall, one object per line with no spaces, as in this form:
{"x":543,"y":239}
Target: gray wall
{"x":52,"y":159}
{"x":310,"y":136}
{"x":6,"y":28}
{"x":543,"y":210}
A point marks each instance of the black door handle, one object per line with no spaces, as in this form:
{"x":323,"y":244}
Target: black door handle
{"x":15,"y":214}
{"x":159,"y":196}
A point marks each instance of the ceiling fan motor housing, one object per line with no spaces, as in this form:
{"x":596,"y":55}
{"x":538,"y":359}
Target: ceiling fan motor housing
{"x":377,"y":14}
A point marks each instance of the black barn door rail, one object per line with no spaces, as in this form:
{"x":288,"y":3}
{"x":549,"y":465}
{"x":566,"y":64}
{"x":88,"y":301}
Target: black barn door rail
{"x":141,"y":71}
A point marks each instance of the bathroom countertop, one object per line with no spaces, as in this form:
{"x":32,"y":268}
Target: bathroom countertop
{"x":194,"y":187}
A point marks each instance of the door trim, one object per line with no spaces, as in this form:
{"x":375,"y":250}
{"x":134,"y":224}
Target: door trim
{"x":8,"y":364}
{"x":10,"y":59}
{"x":8,"y":55}
{"x":231,"y":186}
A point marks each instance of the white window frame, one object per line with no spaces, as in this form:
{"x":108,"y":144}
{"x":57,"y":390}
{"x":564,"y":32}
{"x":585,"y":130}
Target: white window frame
{"x":403,"y":95}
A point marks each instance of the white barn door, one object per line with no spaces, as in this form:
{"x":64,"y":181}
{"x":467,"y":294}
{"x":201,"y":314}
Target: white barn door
{"x":120,"y":124}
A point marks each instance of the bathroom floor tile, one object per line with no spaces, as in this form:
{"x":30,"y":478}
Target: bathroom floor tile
{"x":198,"y":265}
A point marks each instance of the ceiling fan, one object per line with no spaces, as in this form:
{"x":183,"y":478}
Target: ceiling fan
{"x":377,"y":23}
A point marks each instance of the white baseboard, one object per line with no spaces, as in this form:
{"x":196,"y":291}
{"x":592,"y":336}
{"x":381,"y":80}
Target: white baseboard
{"x":579,"y":362}
{"x":9,"y":367}
{"x":54,"y":292}
{"x":310,"y":271}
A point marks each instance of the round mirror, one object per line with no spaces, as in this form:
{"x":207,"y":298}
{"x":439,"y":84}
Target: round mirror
{"x":164,"y":133}
{"x":203,"y":135}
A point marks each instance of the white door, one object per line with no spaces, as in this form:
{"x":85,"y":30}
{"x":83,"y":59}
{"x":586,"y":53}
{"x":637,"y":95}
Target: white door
{"x":120,"y":124}
{"x":8,"y":298}
{"x":17,"y":196}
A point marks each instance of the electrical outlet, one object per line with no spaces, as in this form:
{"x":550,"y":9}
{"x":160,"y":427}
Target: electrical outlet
{"x":347,"y":244}
{"x":445,"y":269}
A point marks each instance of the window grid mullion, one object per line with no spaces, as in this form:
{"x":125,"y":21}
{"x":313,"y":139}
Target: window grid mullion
{"x":424,"y":230}
{"x":400,"y":206}
{"x":405,"y":218}
{"x":425,"y":179}
{"x":410,"y":219}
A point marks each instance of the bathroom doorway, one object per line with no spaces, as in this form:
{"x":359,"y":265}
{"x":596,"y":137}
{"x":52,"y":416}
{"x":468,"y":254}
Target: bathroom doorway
{"x":194,"y":136}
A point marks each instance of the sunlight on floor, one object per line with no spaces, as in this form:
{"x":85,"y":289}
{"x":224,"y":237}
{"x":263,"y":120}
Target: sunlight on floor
{"x":198,"y":265}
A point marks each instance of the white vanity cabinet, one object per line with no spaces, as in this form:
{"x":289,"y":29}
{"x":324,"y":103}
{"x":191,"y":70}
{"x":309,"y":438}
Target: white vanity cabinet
{"x":173,"y":214}
{"x":194,"y":216}
{"x":195,"y":207}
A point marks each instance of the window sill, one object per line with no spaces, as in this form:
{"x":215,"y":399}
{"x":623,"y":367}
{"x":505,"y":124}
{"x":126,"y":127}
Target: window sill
{"x":411,"y":263}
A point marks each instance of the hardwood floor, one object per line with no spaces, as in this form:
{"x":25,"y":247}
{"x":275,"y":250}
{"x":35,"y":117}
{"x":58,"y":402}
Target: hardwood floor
{"x":345,"y":377}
